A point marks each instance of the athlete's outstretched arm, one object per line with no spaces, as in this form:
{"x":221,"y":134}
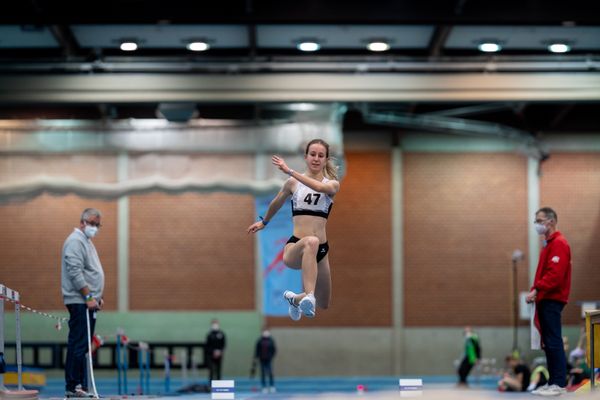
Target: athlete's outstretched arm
{"x":331,"y":187}
{"x":274,"y":206}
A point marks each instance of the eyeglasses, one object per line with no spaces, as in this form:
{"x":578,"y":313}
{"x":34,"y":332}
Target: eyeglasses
{"x":92,"y":223}
{"x":540,"y":221}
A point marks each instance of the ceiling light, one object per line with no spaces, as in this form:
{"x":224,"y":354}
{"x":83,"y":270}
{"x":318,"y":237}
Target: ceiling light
{"x":559,"y":48}
{"x":303,"y":107}
{"x":378,"y":46}
{"x":308,"y":46}
{"x":129,"y":46}
{"x":489,"y":47}
{"x":198,"y":46}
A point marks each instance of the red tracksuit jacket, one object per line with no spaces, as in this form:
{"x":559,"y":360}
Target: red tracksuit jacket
{"x":553,"y":274}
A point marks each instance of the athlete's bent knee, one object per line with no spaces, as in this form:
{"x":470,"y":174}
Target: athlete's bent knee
{"x":311,"y":244}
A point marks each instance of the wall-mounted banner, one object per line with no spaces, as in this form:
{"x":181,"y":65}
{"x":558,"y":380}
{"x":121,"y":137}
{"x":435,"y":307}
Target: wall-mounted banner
{"x":276,"y":276}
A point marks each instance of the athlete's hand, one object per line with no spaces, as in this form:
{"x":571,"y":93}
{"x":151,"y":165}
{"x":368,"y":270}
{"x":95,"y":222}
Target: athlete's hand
{"x":255,"y":227}
{"x":280,"y":163}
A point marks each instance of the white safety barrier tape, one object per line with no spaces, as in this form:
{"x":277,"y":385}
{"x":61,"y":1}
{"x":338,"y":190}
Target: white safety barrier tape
{"x":13,"y":297}
{"x":60,"y":320}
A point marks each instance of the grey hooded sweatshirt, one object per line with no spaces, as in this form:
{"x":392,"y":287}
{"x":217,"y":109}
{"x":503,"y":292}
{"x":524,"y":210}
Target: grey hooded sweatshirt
{"x":80,"y":267}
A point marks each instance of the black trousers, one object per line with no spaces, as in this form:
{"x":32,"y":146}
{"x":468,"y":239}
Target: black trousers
{"x":549,"y":313}
{"x":266,"y":371}
{"x":214,"y":368}
{"x":464,"y":369}
{"x":77,"y":346}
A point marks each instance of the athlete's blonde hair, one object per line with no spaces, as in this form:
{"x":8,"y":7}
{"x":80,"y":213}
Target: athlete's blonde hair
{"x":331,"y":170}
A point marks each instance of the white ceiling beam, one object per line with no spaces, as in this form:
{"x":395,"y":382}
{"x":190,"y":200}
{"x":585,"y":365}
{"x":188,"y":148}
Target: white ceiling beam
{"x":294,"y":87}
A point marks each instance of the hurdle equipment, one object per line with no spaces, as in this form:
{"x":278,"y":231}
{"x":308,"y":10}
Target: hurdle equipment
{"x":122,"y":361}
{"x":13,"y":296}
{"x":592,"y":320}
{"x":21,"y":394}
{"x":144,"y":365}
{"x":168,"y":358}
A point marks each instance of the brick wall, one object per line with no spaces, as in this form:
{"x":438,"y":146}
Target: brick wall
{"x":359,"y":234}
{"x":570,"y":184}
{"x":31,"y":241}
{"x":191,"y":252}
{"x":464,"y":215}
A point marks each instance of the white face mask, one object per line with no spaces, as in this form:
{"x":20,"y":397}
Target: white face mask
{"x":215,"y":327}
{"x":266,"y":334}
{"x":90,"y":231}
{"x":540,"y":228}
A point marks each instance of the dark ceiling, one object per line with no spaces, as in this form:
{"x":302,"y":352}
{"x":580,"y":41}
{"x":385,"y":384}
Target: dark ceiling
{"x":74,"y":37}
{"x":244,"y":30}
{"x":313,"y":11}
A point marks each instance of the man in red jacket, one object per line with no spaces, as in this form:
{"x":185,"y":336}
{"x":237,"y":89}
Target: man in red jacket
{"x":550,"y":292}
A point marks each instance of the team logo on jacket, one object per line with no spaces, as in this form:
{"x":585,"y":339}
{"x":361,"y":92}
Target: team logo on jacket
{"x":555,"y":259}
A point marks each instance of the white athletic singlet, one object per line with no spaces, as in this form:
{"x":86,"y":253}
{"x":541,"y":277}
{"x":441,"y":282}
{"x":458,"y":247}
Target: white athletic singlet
{"x":306,"y":201}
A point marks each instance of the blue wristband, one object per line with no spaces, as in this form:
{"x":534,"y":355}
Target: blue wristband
{"x":265,"y":222}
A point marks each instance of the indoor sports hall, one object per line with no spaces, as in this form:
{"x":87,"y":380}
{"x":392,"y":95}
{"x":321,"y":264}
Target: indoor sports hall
{"x":299,"y":200}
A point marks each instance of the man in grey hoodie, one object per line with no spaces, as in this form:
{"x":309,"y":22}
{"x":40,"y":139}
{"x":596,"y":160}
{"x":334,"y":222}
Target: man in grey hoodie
{"x":82,"y":281}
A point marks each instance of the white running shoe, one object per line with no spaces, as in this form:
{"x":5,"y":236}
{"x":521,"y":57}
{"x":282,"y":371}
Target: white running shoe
{"x":539,"y":390}
{"x":553,"y":390}
{"x":307,"y":305}
{"x":293,"y":310}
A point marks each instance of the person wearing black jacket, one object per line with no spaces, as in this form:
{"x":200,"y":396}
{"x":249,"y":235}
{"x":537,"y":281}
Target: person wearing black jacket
{"x":264,"y":353}
{"x":215,"y":346}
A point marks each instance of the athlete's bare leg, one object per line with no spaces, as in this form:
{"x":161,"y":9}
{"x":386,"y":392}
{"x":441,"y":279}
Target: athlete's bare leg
{"x":303,"y":255}
{"x":323,"y":286}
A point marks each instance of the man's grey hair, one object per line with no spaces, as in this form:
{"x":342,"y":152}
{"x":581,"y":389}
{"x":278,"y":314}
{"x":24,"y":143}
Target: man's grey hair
{"x":550,"y":213}
{"x":90,"y":212}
